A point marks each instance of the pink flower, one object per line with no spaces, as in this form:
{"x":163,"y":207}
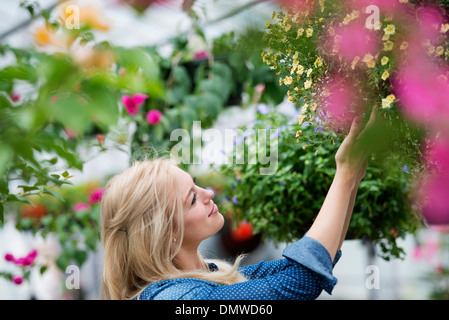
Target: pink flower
{"x":417,"y":253}
{"x":154,"y":116}
{"x":201,"y":55}
{"x":9,"y":257}
{"x":435,"y":189}
{"x":15,"y":97}
{"x":339,"y":103}
{"x":423,"y":91}
{"x":132,"y":103}
{"x":81,"y":206}
{"x":17,"y":279}
{"x":96,"y":195}
{"x":353,"y":40}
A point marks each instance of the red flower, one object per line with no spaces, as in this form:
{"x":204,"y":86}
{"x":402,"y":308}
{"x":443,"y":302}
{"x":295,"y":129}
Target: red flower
{"x":243,"y":232}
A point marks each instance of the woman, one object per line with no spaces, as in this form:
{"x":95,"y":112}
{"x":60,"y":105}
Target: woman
{"x":154,"y":218}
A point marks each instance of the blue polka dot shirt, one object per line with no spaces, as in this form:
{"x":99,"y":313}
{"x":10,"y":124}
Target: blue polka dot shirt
{"x":303,"y":273}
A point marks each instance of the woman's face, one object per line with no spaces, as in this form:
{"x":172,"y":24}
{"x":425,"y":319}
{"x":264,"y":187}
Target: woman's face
{"x":201,"y":217}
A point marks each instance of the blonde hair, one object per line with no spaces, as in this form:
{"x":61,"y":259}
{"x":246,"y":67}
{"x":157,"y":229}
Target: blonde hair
{"x":141,"y":214}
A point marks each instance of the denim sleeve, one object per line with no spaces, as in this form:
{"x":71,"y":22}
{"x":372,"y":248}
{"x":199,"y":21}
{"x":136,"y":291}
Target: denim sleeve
{"x":314,"y":256}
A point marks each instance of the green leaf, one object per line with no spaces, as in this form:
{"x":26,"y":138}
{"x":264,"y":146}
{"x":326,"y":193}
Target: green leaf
{"x":2,"y":218}
{"x":53,"y":193}
{"x":6,"y":156}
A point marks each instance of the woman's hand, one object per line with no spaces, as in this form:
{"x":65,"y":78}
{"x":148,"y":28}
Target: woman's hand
{"x":352,"y":156}
{"x":331,"y":224}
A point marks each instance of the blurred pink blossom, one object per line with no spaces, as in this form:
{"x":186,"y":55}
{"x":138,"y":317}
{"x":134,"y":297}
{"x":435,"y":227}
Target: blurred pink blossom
{"x":154,"y":116}
{"x":351,"y":41}
{"x":423,"y":91}
{"x":81,"y":206}
{"x":434,"y":190}
{"x":15,"y":97}
{"x":430,"y":18}
{"x":28,"y":260}
{"x":340,"y":103}
{"x":17,"y":279}
{"x":96,"y":195}
{"x":201,"y":55}
{"x":132,"y":103}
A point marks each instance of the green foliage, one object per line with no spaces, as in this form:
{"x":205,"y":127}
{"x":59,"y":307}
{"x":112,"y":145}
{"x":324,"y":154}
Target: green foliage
{"x":77,"y":230}
{"x":282,"y":206}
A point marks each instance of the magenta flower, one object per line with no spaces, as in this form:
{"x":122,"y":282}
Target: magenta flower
{"x":435,"y":189}
{"x":353,"y":40}
{"x":15,"y":97}
{"x":154,"y":116}
{"x":201,"y":55}
{"x":133,"y":103}
{"x":95,"y":196}
{"x":339,"y":103}
{"x":17,"y":279}
{"x":9,"y":257}
{"x":423,"y":91}
{"x":28,"y":260}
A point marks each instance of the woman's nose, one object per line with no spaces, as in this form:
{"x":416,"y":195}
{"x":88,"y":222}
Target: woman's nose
{"x":209,"y":194}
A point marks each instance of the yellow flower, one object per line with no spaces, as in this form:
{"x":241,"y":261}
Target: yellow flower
{"x":298,"y":133}
{"x":307,"y":84}
{"x":309,"y":71}
{"x":281,"y":81}
{"x":440,"y":51}
{"x":385,"y":75}
{"x":404,"y":45}
{"x":318,"y":62}
{"x":304,"y":107}
{"x":388,"y":46}
{"x":431,"y":50}
{"x":390,"y":98}
{"x":347,"y":19}
{"x":300,"y":70}
{"x":300,"y":32}
{"x":313,"y":106}
{"x":304,"y":146}
{"x":371,"y":64}
{"x":309,"y":32}
{"x":444,"y":28}
{"x":368,"y":57}
{"x":288,"y":80}
{"x":403,"y":1}
{"x":386,"y":103}
{"x":385,"y":37}
{"x":301,"y":119}
{"x":384,"y":60}
{"x":390,"y":29}
{"x":354,"y":62}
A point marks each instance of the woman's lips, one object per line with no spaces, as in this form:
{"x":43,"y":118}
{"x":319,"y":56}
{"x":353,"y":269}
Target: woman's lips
{"x":214,"y":210}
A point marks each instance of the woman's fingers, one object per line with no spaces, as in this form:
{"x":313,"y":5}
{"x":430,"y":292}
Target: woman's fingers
{"x":371,"y":121}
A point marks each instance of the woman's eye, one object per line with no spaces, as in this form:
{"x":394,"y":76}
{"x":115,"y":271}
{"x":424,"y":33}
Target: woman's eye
{"x":194,"y":199}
